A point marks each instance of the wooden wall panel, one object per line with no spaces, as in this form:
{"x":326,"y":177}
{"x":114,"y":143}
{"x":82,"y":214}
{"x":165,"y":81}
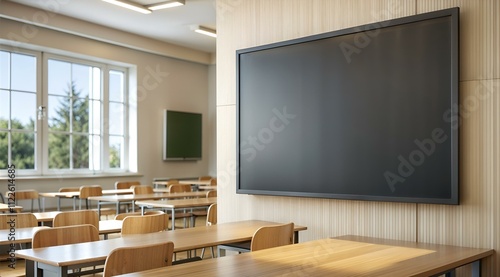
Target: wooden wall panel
{"x":475,"y":222}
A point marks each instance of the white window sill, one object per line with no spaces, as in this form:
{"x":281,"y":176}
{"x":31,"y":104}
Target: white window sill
{"x":75,"y":176}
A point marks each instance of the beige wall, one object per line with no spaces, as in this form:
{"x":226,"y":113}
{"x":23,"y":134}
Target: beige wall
{"x":177,"y":84}
{"x":476,"y":222}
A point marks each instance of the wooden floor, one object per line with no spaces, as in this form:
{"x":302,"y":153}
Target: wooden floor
{"x":5,"y":271}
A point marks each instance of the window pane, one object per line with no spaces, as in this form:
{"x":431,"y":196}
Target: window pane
{"x":116,"y":119}
{"x":81,"y":80}
{"x":95,"y":117}
{"x":115,"y":151}
{"x":4,"y":142}
{"x":23,"y":150}
{"x":58,"y":113}
{"x":96,"y":86}
{"x":4,"y":105}
{"x":116,"y":86}
{"x":58,"y":151}
{"x":81,"y":115}
{"x":23,"y":70}
{"x":23,"y":112}
{"x":95,"y":153}
{"x":59,"y":77}
{"x":80,"y":151}
{"x":4,"y":69}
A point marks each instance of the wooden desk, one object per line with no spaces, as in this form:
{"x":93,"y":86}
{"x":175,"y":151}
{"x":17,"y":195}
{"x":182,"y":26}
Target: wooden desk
{"x":5,"y":208}
{"x":343,"y":256}
{"x":177,"y":204}
{"x":76,"y":194}
{"x":135,"y":197}
{"x":59,"y":258}
{"x":22,"y":235}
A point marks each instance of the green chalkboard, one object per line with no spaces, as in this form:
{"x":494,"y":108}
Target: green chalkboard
{"x":181,"y":136}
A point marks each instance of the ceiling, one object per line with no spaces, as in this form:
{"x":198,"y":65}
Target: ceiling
{"x":169,"y":25}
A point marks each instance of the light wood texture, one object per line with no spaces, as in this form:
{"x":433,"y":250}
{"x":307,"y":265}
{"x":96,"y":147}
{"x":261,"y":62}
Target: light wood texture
{"x":143,"y":189}
{"x":27,"y":194}
{"x":6,"y":208}
{"x":179,"y":188}
{"x":123,"y":215}
{"x":126,"y":184}
{"x":195,"y":182}
{"x":178,"y":203}
{"x":143,"y":224}
{"x":132,"y":259}
{"x":272,"y":236}
{"x":212,"y":215}
{"x":201,"y":178}
{"x":23,"y":235}
{"x":184,"y":240}
{"x":19,"y":220}
{"x":76,"y":218}
{"x":46,"y":216}
{"x":65,"y":235}
{"x":349,"y":256}
{"x":69,"y":189}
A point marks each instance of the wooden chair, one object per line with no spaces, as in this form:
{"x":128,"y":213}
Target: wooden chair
{"x":126,"y":184}
{"x":264,"y":237}
{"x":143,"y":189}
{"x":28,"y":194}
{"x":204,"y":212}
{"x":123,"y":215}
{"x":66,"y":235}
{"x":70,"y":218}
{"x":68,"y":189}
{"x":211,"y":220}
{"x":144,"y":224}
{"x":180,"y":188}
{"x":23,"y":220}
{"x":124,"y":260}
{"x":272,"y":236}
{"x":203,"y":178}
{"x":87,"y":191}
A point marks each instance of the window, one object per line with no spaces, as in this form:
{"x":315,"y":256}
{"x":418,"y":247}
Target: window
{"x":80,"y":111}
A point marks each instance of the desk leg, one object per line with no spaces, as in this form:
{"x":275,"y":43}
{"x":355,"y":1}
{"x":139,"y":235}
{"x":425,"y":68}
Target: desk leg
{"x":30,"y":268}
{"x":173,"y":219}
{"x":296,"y":237}
{"x":476,"y":268}
{"x":58,"y":204}
{"x":98,"y":209}
{"x":450,"y":274}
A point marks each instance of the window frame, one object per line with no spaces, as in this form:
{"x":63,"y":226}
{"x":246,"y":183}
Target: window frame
{"x":41,"y":126}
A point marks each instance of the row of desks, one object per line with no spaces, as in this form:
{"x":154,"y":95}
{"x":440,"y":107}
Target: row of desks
{"x":59,"y":258}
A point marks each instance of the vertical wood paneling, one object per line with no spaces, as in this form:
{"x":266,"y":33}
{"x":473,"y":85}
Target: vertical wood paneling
{"x":475,"y":222}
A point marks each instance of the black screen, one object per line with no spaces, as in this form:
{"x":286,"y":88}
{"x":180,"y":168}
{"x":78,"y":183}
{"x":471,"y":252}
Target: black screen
{"x":182,"y":136}
{"x":364,"y":113}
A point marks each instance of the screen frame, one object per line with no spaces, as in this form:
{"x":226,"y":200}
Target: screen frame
{"x":453,"y":13}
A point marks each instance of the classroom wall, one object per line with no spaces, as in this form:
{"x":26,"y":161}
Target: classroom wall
{"x":181,"y":82}
{"x":475,"y":222}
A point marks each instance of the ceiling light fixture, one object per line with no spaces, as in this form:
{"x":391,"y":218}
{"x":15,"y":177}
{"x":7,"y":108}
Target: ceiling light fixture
{"x":166,"y":5}
{"x":204,"y":30}
{"x":129,"y":5}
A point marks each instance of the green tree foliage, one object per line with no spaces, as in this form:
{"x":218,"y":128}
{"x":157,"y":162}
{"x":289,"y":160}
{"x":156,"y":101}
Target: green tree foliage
{"x":23,"y":144}
{"x":59,"y":143}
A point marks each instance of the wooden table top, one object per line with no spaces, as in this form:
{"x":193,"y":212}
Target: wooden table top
{"x":195,"y":182}
{"x":184,"y":239}
{"x":73,"y":194}
{"x":22,"y":235}
{"x":46,"y":216}
{"x":178,"y":203}
{"x":207,"y":187}
{"x":343,"y":256}
{"x":5,"y":208}
{"x":135,"y":197}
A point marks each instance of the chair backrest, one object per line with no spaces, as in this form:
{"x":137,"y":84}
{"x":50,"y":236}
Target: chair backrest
{"x":213,"y":182}
{"x":123,"y":215}
{"x":179,"y":188}
{"x":126,"y":184}
{"x":69,"y":189}
{"x":92,"y":190}
{"x":26,"y":194}
{"x":22,"y":220}
{"x":69,"y":218}
{"x":124,"y":260}
{"x":272,"y":236}
{"x":144,"y":224}
{"x":64,"y":235}
{"x":143,"y":189}
{"x":211,"y":193}
{"x":203,"y":178}
{"x":212,"y":214}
